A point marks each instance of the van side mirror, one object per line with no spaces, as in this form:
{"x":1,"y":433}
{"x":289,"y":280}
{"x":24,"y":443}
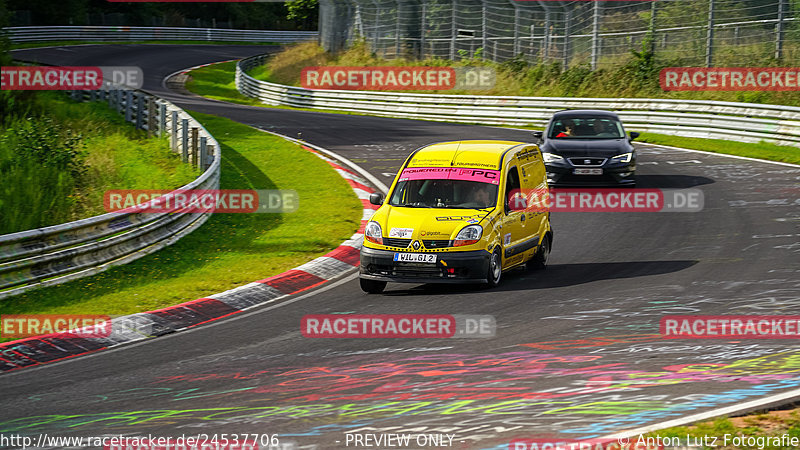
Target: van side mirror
{"x":538,"y":135}
{"x":376,"y":198}
{"x":634,"y":135}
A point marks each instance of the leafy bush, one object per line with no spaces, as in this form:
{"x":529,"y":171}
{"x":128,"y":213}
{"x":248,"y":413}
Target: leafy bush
{"x":42,"y":141}
{"x":36,"y":190}
{"x":57,"y":157}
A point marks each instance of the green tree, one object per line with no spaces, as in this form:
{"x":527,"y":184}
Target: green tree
{"x":305,"y":11}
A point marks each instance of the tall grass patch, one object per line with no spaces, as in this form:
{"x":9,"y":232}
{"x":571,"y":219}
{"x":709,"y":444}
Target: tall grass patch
{"x":58,"y":157}
{"x":635,"y":74}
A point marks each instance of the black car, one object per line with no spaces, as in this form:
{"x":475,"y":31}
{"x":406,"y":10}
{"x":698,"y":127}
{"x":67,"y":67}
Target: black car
{"x":588,"y":147}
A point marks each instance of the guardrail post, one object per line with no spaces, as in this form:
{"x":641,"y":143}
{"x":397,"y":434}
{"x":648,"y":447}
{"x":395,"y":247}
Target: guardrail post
{"x":140,"y":111}
{"x":128,"y":106}
{"x":210,"y":155}
{"x":151,"y":116}
{"x":201,"y":163}
{"x":162,"y":117}
{"x":174,"y":128}
{"x":195,"y":146}
{"x":185,"y":140}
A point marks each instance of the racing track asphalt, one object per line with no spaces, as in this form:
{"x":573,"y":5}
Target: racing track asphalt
{"x":576,"y":353}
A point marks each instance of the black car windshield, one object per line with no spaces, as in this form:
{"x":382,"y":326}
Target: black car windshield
{"x":586,"y":127}
{"x":442,"y":193}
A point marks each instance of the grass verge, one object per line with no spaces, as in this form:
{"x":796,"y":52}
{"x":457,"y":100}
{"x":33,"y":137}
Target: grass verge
{"x":230,"y":249}
{"x":217,"y":82}
{"x":720,"y":433}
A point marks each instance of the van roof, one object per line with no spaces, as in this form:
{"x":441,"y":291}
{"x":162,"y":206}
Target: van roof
{"x":477,"y":154}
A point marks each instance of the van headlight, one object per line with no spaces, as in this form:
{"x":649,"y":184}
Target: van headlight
{"x":468,"y":235}
{"x":552,"y":157}
{"x":373,"y":233}
{"x":623,"y":158}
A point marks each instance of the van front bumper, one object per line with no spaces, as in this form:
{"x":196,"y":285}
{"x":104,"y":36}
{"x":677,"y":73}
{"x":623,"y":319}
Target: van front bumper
{"x":456,"y":267}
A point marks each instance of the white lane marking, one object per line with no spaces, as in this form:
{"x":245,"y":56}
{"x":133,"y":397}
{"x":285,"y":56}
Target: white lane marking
{"x":372,"y":179}
{"x":721,"y":154}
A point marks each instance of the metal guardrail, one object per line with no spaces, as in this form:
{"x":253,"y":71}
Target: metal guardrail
{"x":68,"y":251}
{"x":113,"y":33}
{"x":743,"y":122}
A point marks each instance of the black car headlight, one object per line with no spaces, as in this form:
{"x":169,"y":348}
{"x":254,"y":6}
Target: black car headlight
{"x":552,"y":157}
{"x":623,"y":158}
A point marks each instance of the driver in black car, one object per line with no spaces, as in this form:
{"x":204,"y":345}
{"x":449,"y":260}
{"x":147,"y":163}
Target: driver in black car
{"x":569,"y":129}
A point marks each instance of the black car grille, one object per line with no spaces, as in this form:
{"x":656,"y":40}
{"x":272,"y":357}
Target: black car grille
{"x":588,"y":180}
{"x":587,"y":161}
{"x":436,"y":243}
{"x":396,"y":242}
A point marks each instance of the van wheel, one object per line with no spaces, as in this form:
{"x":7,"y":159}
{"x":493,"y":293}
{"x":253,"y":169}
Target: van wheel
{"x":495,"y":269}
{"x":539,"y":260}
{"x":372,"y":286}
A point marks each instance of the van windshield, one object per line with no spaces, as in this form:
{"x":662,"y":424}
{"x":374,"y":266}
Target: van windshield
{"x":444,"y":194}
{"x":446,"y":187}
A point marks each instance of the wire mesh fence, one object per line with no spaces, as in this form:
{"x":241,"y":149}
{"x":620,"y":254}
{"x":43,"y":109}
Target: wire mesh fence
{"x":598,"y":33}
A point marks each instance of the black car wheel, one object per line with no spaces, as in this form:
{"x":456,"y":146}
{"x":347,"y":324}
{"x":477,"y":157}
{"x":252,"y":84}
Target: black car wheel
{"x":372,"y":286}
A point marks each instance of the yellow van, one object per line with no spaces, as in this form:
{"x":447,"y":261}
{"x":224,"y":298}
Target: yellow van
{"x":456,"y":213}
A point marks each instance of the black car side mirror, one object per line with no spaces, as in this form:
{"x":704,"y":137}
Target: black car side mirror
{"x":538,"y":135}
{"x":376,"y":198}
{"x":634,"y":135}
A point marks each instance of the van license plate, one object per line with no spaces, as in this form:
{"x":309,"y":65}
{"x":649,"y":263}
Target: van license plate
{"x":415,"y":257}
{"x":588,"y":171}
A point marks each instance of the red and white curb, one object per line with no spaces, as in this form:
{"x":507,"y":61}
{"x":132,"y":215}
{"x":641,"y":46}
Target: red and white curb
{"x":45,"y":349}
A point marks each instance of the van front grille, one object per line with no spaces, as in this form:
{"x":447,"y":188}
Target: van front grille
{"x":396,"y":242}
{"x":436,"y":243}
